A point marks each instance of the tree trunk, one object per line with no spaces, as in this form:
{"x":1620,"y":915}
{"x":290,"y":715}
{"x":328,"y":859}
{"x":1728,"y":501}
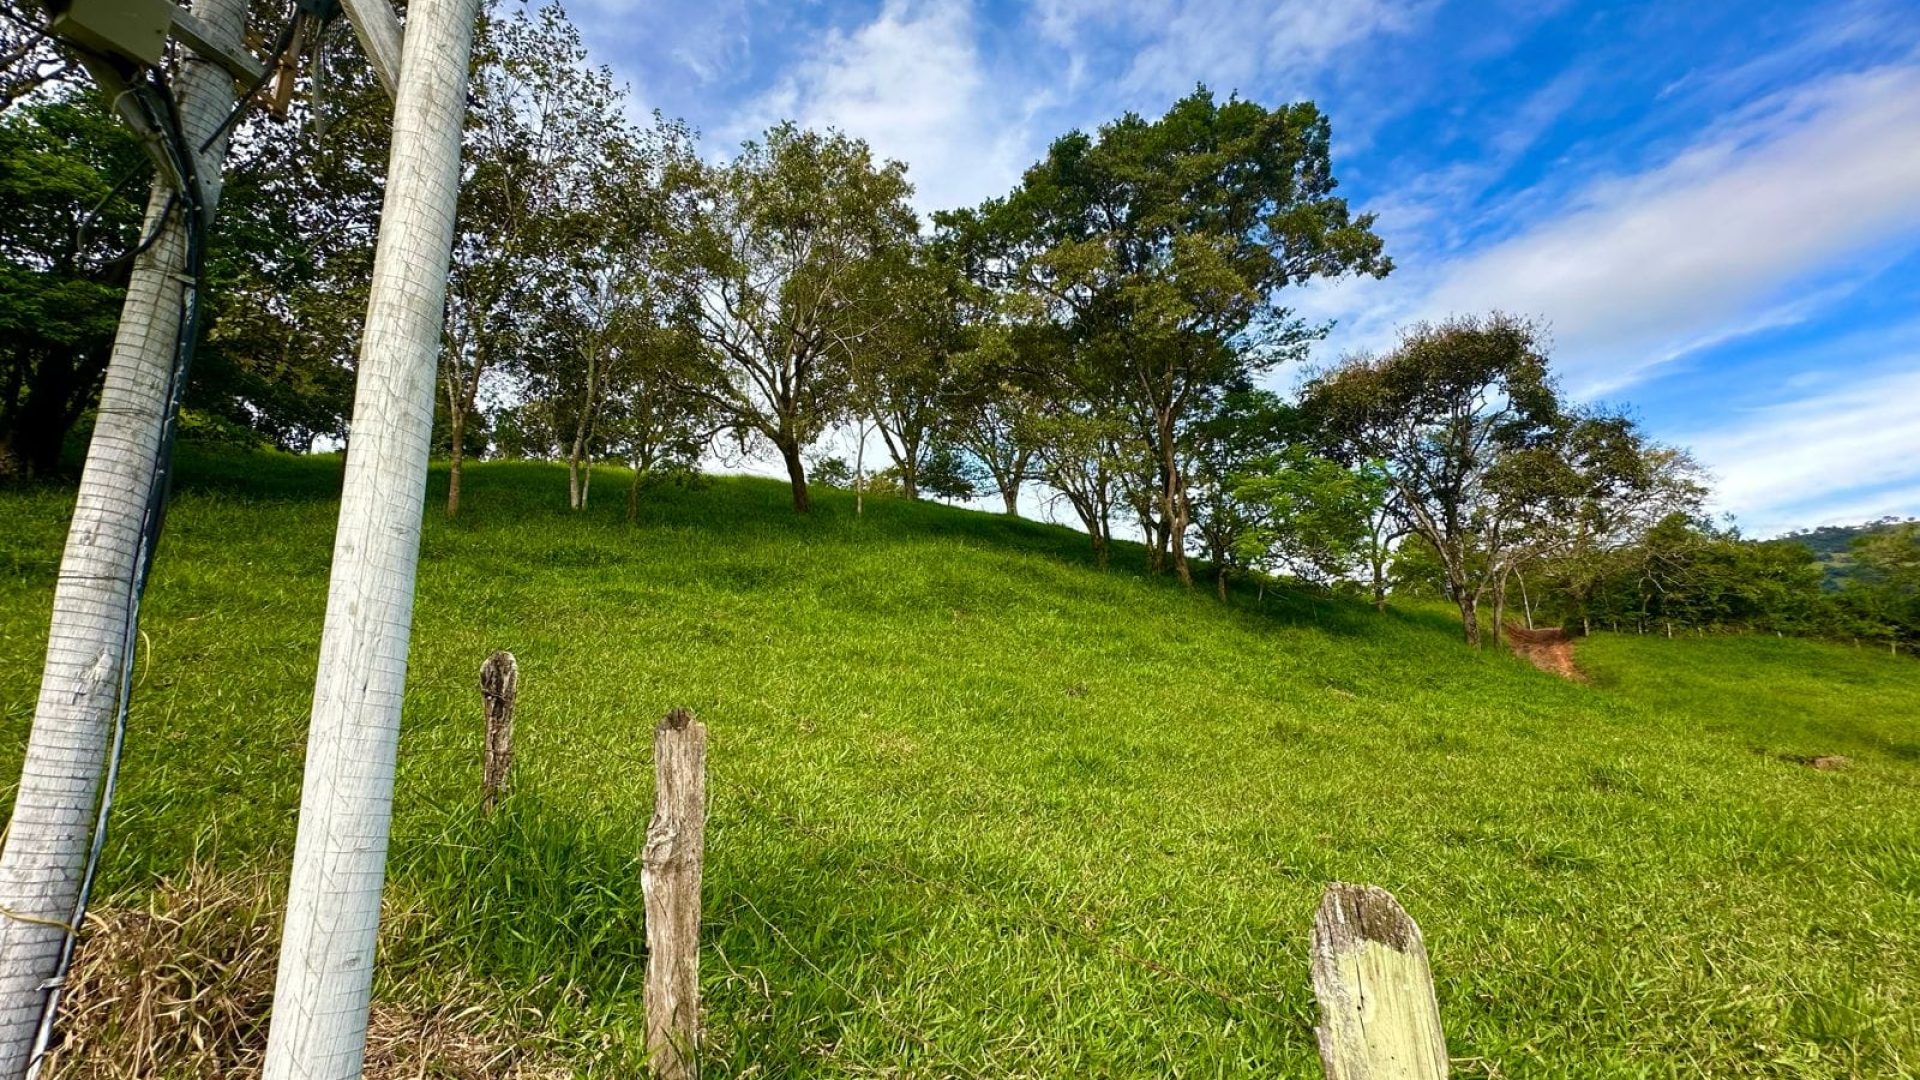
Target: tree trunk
{"x":633,"y":496}
{"x":860,"y":473}
{"x":1220,"y":581}
{"x":95,"y":606}
{"x":1500,"y":610}
{"x":325,"y":975}
{"x":459,"y":431}
{"x":1010,"y":494}
{"x":1469,"y":616}
{"x":1176,"y":534}
{"x":586,"y":482}
{"x":797,"y":476}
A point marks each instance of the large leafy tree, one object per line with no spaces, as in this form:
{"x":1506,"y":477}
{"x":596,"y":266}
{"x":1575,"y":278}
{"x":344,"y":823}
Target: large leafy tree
{"x":546,"y":218}
{"x":292,"y":255}
{"x":66,"y":244}
{"x":1441,"y":412}
{"x":1486,"y":464}
{"x":779,"y":260}
{"x":1163,"y":247}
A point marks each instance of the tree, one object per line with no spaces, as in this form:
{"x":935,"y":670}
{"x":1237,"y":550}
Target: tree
{"x":903,"y":378}
{"x":291,"y":259}
{"x":553,"y":179}
{"x":1243,"y":426}
{"x":833,"y":471}
{"x":1161,"y":248}
{"x":650,"y":422}
{"x":1883,"y":592}
{"x":1440,"y":413}
{"x":1311,"y":515}
{"x":988,"y":413}
{"x":949,"y":473}
{"x":1626,"y":486}
{"x":605,"y":323}
{"x":779,"y":261}
{"x":1075,"y":444}
{"x":66,"y":248}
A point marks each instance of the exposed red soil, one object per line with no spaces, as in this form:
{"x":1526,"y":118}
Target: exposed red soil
{"x":1549,"y":648}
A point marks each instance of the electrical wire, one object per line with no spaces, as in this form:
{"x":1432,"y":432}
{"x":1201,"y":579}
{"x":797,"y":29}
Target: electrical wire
{"x":274,"y":58}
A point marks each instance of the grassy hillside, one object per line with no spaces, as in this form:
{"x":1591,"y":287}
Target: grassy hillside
{"x":979,"y":809}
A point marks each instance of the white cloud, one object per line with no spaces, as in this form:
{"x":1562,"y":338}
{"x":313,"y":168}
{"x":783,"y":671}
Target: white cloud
{"x":1847,"y":454}
{"x":1227,"y":44}
{"x":1641,"y":269}
{"x":913,"y":85}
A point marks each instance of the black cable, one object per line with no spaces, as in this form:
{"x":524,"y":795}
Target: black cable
{"x":240,"y":107}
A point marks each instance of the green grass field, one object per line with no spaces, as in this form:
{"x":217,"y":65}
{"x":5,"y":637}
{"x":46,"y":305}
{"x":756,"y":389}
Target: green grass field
{"x":979,"y":809}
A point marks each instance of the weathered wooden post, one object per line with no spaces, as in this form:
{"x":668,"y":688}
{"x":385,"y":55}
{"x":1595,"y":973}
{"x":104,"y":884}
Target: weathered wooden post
{"x":670,"y":878}
{"x":499,"y":686}
{"x":1378,"y":1016}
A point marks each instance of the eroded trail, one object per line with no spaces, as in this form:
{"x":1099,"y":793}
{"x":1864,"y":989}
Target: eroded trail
{"x":1548,"y":648}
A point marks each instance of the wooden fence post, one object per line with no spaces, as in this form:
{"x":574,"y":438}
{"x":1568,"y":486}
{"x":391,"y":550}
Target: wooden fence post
{"x":670,"y":878}
{"x":1378,"y":1016}
{"x":499,"y":686}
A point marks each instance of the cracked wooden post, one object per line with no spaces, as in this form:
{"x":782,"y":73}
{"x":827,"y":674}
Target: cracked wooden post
{"x":670,"y":878}
{"x":499,"y":685}
{"x":1379,"y":1019}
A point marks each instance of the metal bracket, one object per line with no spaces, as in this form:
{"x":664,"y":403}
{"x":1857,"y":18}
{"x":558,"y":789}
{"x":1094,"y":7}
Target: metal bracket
{"x":238,"y":63}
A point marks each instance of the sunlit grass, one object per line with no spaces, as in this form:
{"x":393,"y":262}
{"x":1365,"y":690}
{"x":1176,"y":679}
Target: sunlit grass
{"x":979,"y":809}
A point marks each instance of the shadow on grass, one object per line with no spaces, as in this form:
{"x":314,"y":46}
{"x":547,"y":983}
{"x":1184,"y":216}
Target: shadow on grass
{"x":743,"y":508}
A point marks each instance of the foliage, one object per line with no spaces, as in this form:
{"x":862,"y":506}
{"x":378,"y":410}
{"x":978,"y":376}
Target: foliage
{"x":779,"y":261}
{"x":948,"y":473}
{"x":1310,"y":515}
{"x":1160,"y":249}
{"x":65,"y":252}
{"x":831,"y":471}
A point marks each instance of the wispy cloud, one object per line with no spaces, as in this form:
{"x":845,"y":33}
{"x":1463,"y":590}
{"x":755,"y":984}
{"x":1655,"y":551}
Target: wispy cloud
{"x":1844,"y":454}
{"x":914,"y":84}
{"x":1638,"y":270}
{"x":1172,"y":44}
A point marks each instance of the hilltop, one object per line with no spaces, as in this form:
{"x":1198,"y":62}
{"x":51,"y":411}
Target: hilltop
{"x":1832,"y":545}
{"x":981,"y":809}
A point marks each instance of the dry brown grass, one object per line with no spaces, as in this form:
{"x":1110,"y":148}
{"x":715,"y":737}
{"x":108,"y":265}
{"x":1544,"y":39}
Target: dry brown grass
{"x":180,"y":988}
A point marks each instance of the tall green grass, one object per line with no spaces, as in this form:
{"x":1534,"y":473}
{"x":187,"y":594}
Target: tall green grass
{"x":980,"y":809}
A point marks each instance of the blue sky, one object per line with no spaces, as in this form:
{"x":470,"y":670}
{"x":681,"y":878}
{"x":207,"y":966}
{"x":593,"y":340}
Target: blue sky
{"x":1715,"y":206}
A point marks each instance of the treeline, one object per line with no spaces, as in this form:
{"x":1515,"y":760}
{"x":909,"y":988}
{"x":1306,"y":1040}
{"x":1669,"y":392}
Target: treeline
{"x":1099,"y":337}
{"x":1688,"y":575}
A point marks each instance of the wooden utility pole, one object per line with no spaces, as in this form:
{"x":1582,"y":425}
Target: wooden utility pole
{"x":1378,"y":1016}
{"x":96,"y":601}
{"x":670,"y":878}
{"x":325,"y":976}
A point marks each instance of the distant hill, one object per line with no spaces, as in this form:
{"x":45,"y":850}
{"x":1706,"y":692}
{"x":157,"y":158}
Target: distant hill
{"x":1833,"y":544}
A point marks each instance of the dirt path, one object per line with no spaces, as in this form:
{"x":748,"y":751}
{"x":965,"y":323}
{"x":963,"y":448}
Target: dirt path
{"x":1548,"y":648}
